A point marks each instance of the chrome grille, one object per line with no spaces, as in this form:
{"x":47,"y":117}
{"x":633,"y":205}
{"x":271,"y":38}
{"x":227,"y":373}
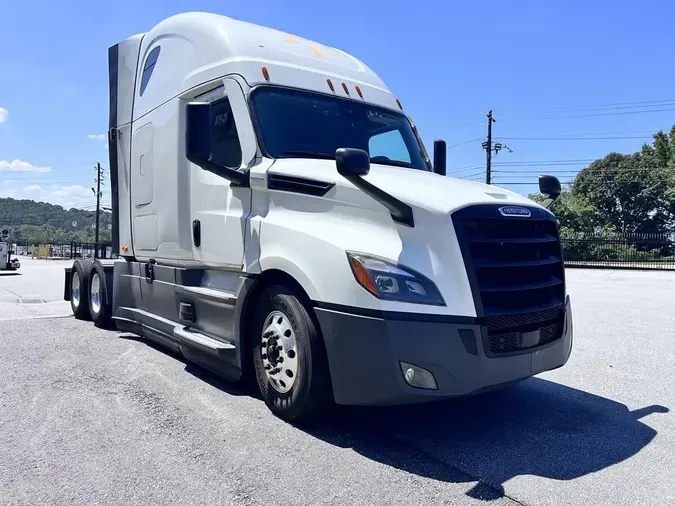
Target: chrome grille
{"x":517,"y":276}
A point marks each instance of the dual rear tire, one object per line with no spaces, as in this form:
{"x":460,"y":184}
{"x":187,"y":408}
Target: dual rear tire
{"x":89,"y":298}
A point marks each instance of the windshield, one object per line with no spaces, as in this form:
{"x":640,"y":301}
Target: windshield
{"x":303,"y":124}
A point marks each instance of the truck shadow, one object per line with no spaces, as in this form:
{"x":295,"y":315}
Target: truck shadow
{"x":537,"y":428}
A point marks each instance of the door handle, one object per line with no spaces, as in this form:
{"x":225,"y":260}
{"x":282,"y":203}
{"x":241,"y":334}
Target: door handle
{"x":197,"y":233}
{"x":150,"y":271}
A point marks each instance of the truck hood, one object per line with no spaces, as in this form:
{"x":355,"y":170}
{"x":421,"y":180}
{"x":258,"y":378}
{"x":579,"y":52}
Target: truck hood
{"x":416,"y":188}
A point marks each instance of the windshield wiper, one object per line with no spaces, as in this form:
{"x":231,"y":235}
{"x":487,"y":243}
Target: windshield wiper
{"x":309,"y":154}
{"x":395,"y":163}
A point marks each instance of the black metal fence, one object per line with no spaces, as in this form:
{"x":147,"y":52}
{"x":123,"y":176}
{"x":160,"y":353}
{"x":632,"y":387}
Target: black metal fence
{"x":91,"y":250}
{"x":66,"y":251}
{"x":611,"y":250}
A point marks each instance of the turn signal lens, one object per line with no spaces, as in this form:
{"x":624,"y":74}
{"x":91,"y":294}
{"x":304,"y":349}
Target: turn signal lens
{"x":361,"y":275}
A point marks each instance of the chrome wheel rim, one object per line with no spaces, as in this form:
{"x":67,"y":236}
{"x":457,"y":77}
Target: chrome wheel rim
{"x":95,"y":293}
{"x":279,"y":352}
{"x":75,"y":289}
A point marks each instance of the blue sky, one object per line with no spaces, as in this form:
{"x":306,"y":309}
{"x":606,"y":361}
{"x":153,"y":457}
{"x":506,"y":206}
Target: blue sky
{"x":560,"y":70}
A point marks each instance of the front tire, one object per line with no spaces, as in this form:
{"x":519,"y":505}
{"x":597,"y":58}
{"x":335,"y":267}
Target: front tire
{"x":289,"y":357}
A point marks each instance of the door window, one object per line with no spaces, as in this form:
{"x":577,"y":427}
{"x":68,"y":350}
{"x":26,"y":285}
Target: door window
{"x":225,"y":146}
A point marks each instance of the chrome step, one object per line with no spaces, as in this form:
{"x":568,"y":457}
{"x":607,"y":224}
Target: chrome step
{"x":189,"y":336}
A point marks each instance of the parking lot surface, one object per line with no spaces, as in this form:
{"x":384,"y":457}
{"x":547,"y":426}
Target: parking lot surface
{"x":99,"y":417}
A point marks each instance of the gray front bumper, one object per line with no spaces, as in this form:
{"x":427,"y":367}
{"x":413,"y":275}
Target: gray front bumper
{"x":364,"y":353}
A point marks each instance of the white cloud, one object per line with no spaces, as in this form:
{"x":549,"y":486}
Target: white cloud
{"x":21,"y":166}
{"x":4,"y":114}
{"x":63,"y":195}
{"x":98,"y":137}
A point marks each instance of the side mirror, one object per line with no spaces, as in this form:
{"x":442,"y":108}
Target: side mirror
{"x":352,"y":162}
{"x":550,"y":187}
{"x":440,"y":152}
{"x":198,"y":143}
{"x":198,"y":132}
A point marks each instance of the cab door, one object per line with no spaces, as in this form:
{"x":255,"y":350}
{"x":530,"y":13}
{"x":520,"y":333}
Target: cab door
{"x":219,"y":210}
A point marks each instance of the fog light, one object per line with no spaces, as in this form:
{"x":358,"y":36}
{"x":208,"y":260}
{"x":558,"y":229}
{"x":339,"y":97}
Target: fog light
{"x":418,"y":377}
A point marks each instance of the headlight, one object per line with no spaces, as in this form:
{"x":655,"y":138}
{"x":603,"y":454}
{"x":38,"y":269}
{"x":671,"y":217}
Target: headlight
{"x":389,"y":281}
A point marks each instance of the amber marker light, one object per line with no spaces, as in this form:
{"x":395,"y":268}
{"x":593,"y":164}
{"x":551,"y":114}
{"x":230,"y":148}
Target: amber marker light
{"x":361,"y":274}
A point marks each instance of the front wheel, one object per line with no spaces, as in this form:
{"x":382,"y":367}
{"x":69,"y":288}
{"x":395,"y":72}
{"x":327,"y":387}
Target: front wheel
{"x":290,"y":358}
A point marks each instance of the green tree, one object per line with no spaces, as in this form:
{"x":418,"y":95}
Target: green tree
{"x":631,"y":193}
{"x":574,"y":212}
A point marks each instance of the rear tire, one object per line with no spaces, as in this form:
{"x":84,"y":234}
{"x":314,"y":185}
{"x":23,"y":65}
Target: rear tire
{"x":289,"y":358}
{"x":100,"y":305}
{"x":79,"y":288}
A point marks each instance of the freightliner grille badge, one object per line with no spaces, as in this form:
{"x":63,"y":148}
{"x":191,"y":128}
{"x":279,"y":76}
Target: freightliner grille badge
{"x":515,"y":211}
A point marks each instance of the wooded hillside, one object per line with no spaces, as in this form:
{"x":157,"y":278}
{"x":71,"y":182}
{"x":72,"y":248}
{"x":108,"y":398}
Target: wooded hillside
{"x":33,"y":222}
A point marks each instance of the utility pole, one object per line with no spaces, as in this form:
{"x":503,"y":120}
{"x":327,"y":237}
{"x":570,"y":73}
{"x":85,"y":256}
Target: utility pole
{"x":99,"y":177}
{"x":488,"y":149}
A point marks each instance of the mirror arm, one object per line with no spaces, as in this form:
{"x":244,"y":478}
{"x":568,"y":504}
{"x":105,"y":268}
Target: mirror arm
{"x":400,"y":211}
{"x":546,"y":203}
{"x":234,"y":176}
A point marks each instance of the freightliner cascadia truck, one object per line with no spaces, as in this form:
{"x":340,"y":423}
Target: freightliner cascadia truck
{"x":276,"y":216}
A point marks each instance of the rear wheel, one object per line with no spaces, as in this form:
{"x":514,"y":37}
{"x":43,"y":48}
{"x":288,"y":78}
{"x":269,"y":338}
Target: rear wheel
{"x":79,"y":288}
{"x":290,"y":358}
{"x":100,"y":306}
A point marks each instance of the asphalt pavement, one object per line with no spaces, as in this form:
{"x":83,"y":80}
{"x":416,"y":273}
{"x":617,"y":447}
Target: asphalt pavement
{"x":99,"y":417}
{"x":35,"y":290}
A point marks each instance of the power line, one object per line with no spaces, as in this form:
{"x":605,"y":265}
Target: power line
{"x":469,"y":176}
{"x":592,"y":107}
{"x":620,"y":113}
{"x":464,"y":171}
{"x":463,"y":143}
{"x":569,"y":138}
{"x":543,"y":163}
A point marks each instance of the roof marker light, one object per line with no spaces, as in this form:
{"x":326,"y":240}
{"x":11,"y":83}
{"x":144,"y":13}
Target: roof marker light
{"x":344,"y":87}
{"x":265,"y":74}
{"x":358,"y":90}
{"x":330,"y":85}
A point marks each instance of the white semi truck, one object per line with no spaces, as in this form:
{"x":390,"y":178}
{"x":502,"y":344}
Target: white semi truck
{"x":275,"y":213}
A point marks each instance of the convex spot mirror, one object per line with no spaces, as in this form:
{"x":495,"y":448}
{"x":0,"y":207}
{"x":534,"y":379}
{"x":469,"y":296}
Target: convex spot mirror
{"x":549,"y":186}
